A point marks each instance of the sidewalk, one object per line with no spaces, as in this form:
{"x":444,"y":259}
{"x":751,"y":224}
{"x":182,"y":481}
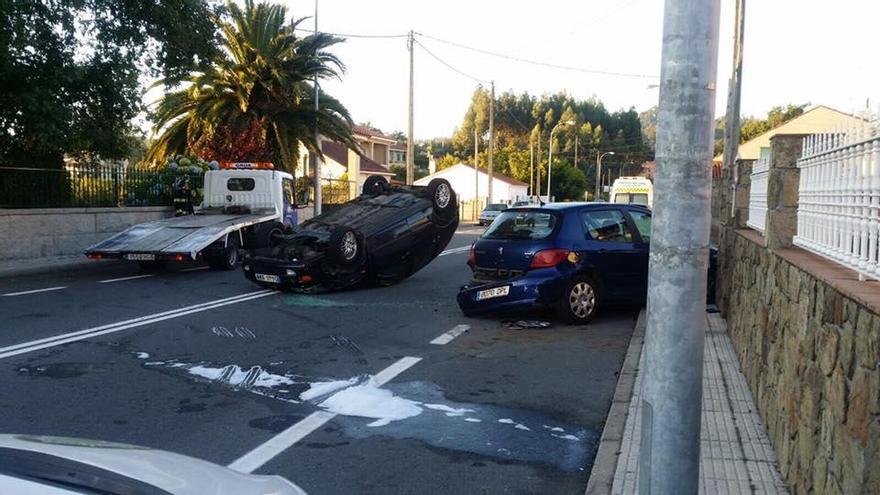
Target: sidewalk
{"x":736,"y":454}
{"x":29,"y":266}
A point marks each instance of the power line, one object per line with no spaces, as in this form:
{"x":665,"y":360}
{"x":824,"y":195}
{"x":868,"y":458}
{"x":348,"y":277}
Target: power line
{"x":537,"y":62}
{"x":429,"y":52}
{"x":349,"y":35}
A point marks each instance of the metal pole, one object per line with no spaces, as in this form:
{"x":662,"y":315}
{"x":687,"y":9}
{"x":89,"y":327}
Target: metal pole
{"x":550,"y":160}
{"x":732,"y":118}
{"x":476,"y":172}
{"x":598,"y":175}
{"x":538,"y":168}
{"x":410,"y":147}
{"x":669,"y":454}
{"x":317,"y":179}
{"x":491,"y":138}
{"x":531,"y":169}
{"x":576,"y":148}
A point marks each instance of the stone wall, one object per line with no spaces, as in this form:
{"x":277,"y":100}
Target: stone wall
{"x":41,"y":233}
{"x":809,"y":346}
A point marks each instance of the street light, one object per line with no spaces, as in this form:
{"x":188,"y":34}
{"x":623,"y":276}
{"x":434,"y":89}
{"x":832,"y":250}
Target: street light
{"x":599,"y":171}
{"x":550,"y":156}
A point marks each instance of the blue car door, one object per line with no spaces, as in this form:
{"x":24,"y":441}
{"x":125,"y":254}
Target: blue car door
{"x":641,"y":222}
{"x":612,"y":250}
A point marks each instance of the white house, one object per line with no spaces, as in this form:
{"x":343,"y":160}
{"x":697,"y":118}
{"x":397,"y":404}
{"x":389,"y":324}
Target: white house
{"x":462,"y":178}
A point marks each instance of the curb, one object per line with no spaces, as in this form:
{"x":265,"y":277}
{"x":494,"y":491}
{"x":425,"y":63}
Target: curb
{"x":605,"y":463}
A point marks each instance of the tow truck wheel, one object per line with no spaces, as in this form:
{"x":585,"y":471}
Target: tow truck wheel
{"x":442,"y":197}
{"x":224,"y":259}
{"x":263,"y":235}
{"x":375,"y":184}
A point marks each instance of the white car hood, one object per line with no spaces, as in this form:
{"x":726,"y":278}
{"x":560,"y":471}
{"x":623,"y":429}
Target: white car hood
{"x":174,"y":473}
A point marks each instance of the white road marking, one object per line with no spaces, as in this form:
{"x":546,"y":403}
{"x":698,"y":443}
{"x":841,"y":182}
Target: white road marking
{"x":10,"y":294}
{"x":133,"y":277}
{"x":460,"y":249}
{"x":65,"y":338}
{"x":265,"y":452}
{"x":448,"y":336}
{"x":195,"y":268}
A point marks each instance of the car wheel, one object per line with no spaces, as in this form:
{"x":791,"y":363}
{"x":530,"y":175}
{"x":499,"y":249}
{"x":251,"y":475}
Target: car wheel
{"x":346,"y":246}
{"x":375,"y":184}
{"x":224,"y":259}
{"x":263,"y":235}
{"x":442,"y":197}
{"x":579,"y":302}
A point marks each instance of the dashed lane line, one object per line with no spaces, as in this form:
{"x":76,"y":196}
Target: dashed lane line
{"x":447,"y":337}
{"x":460,"y":249}
{"x":120,"y":279}
{"x":267,"y":451}
{"x":87,"y":333}
{"x":24,"y":292}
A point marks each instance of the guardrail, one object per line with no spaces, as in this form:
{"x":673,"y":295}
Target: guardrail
{"x":758,"y":195}
{"x":839,"y":197}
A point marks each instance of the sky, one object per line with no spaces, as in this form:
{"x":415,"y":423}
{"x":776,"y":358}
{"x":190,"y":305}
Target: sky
{"x":795,"y":51}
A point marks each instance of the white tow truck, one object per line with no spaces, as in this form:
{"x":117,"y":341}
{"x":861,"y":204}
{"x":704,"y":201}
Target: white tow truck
{"x":244,"y":205}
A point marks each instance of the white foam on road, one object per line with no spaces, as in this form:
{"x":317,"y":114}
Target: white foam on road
{"x":447,"y":337}
{"x":461,"y":249}
{"x":320,"y":389}
{"x":520,"y":426}
{"x":450,"y":411}
{"x":368,"y":401}
{"x":506,"y":421}
{"x":473,"y":420}
{"x":34,"y":291}
{"x":565,"y":437}
{"x":235,"y":376}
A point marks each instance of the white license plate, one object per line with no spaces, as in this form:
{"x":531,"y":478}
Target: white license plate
{"x":140,"y":257}
{"x":491,"y":293}
{"x":262,"y":277}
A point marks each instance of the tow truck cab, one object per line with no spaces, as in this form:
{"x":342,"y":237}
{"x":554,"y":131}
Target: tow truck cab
{"x":250,"y":186}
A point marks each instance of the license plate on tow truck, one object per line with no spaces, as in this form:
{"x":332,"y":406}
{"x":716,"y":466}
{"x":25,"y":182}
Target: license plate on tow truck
{"x":140,"y":257}
{"x":262,"y":277}
{"x":494,"y":292}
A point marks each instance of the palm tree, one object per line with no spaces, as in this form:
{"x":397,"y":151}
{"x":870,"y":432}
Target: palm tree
{"x":256,"y":102}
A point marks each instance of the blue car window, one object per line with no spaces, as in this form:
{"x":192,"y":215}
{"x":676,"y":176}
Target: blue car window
{"x":521,"y":225}
{"x":643,"y":224}
{"x":606,"y":225}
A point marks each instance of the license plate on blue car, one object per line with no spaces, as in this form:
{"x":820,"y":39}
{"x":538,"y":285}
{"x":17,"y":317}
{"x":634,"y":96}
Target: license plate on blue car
{"x":494,"y":292}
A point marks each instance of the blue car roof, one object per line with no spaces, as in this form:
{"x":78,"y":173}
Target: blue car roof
{"x":569,"y":206}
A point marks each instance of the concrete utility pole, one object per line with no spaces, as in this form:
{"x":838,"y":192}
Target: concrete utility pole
{"x":410,"y":145}
{"x":317,"y":179}
{"x":731,"y":119}
{"x":531,"y":168}
{"x":476,"y":172}
{"x":491,"y":138}
{"x":538,"y":168}
{"x":669,"y":454}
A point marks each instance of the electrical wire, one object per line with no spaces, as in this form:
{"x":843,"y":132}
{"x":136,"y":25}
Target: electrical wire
{"x":449,"y":66}
{"x":349,"y":35}
{"x":537,"y":62}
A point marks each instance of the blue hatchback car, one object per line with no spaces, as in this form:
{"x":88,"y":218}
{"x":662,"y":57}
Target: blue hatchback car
{"x":574,"y":257}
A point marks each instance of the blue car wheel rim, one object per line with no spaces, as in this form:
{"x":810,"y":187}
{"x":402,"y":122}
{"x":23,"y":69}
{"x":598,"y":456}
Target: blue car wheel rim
{"x":582,"y":300}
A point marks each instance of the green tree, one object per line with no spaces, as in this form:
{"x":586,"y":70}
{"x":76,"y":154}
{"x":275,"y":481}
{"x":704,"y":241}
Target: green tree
{"x":567,"y":183}
{"x":477,"y":115}
{"x":255,"y":101}
{"x":70,"y":71}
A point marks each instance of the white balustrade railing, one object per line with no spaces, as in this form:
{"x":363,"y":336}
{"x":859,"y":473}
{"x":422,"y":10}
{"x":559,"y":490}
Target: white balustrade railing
{"x":758,"y":195}
{"x":839,"y":197}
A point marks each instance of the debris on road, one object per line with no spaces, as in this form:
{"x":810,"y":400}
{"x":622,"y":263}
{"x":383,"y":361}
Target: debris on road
{"x":526,"y":324}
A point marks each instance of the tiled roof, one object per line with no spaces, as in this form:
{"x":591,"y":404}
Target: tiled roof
{"x":338,"y":152}
{"x":369,"y":132}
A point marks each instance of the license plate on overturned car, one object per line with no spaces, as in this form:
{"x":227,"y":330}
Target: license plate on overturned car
{"x":262,"y":277}
{"x":494,"y":292}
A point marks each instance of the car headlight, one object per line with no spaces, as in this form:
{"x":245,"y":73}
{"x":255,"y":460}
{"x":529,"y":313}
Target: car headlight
{"x":290,"y":273}
{"x":247,"y":268}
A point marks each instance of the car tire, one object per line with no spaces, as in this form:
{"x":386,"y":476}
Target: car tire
{"x":262,"y":235}
{"x":225,"y":258}
{"x":579,"y":301}
{"x":375,"y":184}
{"x":345,"y":246}
{"x":442,"y":197}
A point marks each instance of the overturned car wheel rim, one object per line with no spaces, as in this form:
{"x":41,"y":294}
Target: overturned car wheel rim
{"x":349,"y":246}
{"x":582,"y":300}
{"x":442,"y":195}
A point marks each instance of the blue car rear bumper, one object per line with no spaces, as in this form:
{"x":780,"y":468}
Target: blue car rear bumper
{"x":542,"y":287}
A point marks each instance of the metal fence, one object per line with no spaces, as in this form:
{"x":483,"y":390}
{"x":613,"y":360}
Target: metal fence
{"x":337,"y":191}
{"x":839,"y":197}
{"x":90,"y":186}
{"x":758,"y":195}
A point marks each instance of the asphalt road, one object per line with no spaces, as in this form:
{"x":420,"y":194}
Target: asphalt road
{"x":206,"y":364}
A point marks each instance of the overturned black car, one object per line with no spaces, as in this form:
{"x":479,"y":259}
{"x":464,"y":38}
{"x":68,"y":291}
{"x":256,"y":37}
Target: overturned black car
{"x":384,"y":235}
